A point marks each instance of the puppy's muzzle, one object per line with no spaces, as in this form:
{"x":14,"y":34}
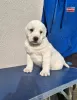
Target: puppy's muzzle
{"x":35,"y":39}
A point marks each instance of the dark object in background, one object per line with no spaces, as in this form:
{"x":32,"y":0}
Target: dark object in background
{"x":73,"y":59}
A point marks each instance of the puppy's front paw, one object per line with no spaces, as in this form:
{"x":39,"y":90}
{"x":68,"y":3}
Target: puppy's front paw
{"x":44,"y":73}
{"x":27,"y":70}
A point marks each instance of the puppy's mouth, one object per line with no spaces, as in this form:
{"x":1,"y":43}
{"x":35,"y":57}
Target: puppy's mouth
{"x":33,"y":43}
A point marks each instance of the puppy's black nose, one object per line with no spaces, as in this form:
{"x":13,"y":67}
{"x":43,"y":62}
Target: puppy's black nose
{"x":35,"y":39}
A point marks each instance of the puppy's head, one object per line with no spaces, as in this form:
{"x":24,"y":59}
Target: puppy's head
{"x":35,"y":32}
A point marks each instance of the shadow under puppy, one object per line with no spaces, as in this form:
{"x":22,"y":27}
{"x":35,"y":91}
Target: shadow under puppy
{"x":40,"y":51}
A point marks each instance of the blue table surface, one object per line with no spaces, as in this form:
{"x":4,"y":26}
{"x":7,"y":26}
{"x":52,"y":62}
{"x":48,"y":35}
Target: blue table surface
{"x":17,"y":85}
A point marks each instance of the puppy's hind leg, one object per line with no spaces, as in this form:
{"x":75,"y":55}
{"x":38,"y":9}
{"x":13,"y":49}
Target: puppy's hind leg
{"x":57,"y":65}
{"x":29,"y":66}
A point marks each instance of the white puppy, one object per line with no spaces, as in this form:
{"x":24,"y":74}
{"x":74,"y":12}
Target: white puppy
{"x":40,"y":51}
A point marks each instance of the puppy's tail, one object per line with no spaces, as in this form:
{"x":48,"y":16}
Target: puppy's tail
{"x":65,"y":64}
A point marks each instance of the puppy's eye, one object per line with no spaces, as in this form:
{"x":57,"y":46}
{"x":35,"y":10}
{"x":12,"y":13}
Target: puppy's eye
{"x":41,"y":32}
{"x":31,"y":30}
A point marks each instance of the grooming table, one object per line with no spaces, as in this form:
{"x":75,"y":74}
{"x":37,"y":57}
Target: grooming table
{"x":17,"y":85}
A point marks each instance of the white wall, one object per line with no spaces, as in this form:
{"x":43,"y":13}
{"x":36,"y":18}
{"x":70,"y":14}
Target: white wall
{"x":14,"y":15}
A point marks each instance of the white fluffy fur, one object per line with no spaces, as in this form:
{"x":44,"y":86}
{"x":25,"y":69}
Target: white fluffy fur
{"x":41,"y":53}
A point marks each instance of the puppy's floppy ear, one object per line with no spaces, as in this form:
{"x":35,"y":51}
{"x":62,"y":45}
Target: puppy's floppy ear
{"x":26,"y":29}
{"x":45,"y":31}
{"x":26,"y":32}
